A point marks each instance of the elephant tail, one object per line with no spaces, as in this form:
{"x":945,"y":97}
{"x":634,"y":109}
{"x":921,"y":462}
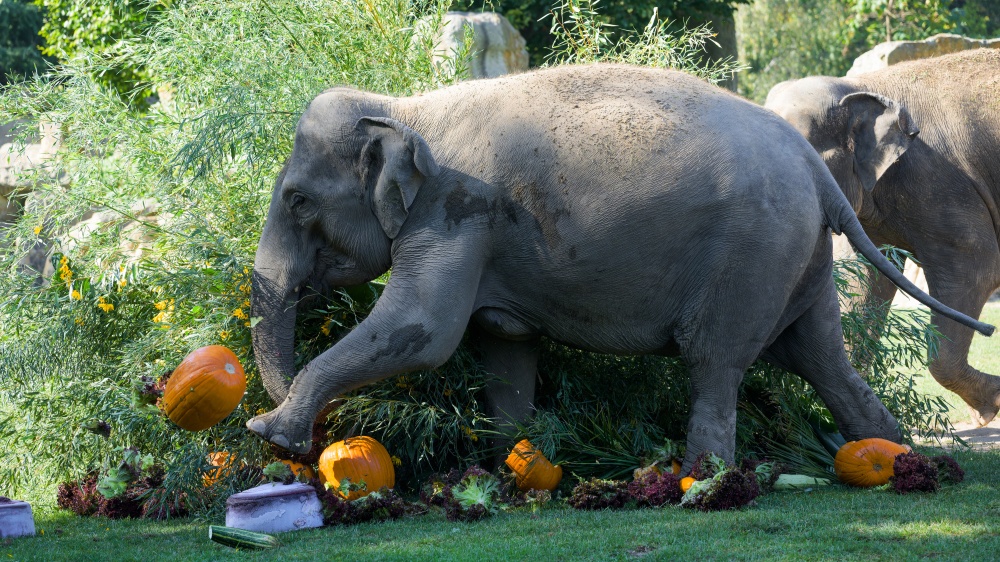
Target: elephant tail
{"x":847,"y":222}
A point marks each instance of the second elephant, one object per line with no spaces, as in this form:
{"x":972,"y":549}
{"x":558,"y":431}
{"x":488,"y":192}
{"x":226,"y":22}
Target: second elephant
{"x":916,"y":149}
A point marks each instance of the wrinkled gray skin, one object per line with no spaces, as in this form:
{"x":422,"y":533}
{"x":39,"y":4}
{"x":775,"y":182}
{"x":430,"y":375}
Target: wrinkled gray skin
{"x":611,"y":208}
{"x":935,"y":194}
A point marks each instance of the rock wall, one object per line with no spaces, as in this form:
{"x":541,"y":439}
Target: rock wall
{"x":894,"y":52}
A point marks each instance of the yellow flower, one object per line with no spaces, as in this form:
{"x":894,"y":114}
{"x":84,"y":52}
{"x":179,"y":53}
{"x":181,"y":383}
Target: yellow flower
{"x":161,"y":317}
{"x":472,"y":435}
{"x":105,"y":306}
{"x":75,"y":295}
{"x":78,"y":321}
{"x":245,"y":288}
{"x":246,"y":303}
{"x":38,"y":229}
{"x":239,"y":314}
{"x":162,"y":305}
{"x":122,"y":283}
{"x":447,"y":392}
{"x":396,"y":460}
{"x":224,"y":334}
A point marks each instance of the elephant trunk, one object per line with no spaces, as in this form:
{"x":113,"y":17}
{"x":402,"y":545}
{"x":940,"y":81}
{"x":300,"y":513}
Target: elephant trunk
{"x":274,"y":333}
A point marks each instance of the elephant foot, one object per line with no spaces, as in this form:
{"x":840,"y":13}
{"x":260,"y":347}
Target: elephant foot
{"x":983,"y":410}
{"x":273,"y":428}
{"x":983,"y":415}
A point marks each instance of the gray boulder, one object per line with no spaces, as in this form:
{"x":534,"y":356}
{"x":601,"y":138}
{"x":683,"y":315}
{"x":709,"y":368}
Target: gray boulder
{"x":894,"y":52}
{"x":497,"y":48}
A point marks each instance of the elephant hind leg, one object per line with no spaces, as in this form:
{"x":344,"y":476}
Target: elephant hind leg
{"x":981,"y":391}
{"x":813,"y":348}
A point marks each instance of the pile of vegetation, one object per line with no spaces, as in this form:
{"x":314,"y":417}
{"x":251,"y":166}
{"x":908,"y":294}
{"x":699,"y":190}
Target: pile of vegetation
{"x":185,"y":183}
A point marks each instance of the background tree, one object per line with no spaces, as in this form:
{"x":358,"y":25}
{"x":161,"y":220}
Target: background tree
{"x":19,"y":39}
{"x":784,"y":39}
{"x":100,"y":30}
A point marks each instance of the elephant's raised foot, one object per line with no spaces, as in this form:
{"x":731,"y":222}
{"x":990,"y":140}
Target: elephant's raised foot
{"x":273,"y":428}
{"x":984,"y":401}
{"x":983,"y":415}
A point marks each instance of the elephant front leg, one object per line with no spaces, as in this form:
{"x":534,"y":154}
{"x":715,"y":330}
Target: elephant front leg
{"x":366,"y":355}
{"x":408,"y":330}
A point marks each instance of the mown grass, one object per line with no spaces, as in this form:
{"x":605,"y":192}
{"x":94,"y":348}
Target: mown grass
{"x":836,"y":523}
{"x":983,"y":355}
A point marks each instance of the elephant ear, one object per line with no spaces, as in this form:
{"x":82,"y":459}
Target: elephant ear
{"x":880,"y":130}
{"x":406,"y":162}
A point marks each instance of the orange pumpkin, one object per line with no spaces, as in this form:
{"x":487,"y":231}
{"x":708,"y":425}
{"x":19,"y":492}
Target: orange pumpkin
{"x":531,"y":469}
{"x":299,"y":468}
{"x":204,"y":389}
{"x":220,"y":459}
{"x":359,"y":459}
{"x":867,"y":462}
{"x":686,"y":483}
{"x":675,"y":466}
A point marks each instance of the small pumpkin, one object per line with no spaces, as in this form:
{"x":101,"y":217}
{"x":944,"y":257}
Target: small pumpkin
{"x":299,"y":468}
{"x":675,"y":466}
{"x":220,"y":459}
{"x":532,"y":471}
{"x":686,"y":483}
{"x":359,"y":459}
{"x":204,"y":389}
{"x":867,"y":462}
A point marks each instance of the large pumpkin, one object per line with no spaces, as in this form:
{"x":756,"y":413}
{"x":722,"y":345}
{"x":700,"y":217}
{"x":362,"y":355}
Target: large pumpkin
{"x":867,"y":462}
{"x":359,"y":459}
{"x":204,"y":389}
{"x":531,"y":469}
{"x":299,"y":468}
{"x":223,"y":461}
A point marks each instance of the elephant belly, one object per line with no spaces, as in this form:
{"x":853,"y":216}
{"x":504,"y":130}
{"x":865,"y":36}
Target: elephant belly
{"x":503,"y":324}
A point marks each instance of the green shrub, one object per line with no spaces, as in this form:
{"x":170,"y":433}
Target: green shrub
{"x":533,"y":18}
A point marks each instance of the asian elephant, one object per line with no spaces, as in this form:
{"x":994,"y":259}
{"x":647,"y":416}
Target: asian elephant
{"x":611,"y":208}
{"x":935,"y":194}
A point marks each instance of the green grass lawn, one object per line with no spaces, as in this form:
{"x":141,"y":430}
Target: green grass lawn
{"x":984,"y":355}
{"x":961,"y":522}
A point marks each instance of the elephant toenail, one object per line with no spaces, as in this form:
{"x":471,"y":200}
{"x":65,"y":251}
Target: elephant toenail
{"x":279,"y":440}
{"x":257,"y":426}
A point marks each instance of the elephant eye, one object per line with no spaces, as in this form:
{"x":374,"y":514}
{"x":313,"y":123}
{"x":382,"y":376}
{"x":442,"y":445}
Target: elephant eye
{"x":296,"y":200}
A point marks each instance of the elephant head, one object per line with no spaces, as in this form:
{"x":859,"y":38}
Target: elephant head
{"x":858,"y":133}
{"x":342,"y":198}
